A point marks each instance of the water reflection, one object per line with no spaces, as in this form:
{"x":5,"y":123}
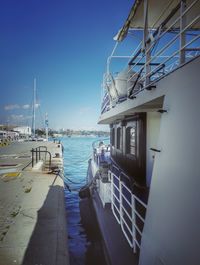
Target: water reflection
{"x":85,"y":246}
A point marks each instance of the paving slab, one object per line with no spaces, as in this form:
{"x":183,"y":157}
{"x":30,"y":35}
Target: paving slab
{"x":33,"y":228}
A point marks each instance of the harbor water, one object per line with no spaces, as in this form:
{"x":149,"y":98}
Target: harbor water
{"x":84,"y":240}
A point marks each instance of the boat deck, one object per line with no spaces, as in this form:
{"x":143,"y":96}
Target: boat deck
{"x":115,"y":244}
{"x":117,"y":248}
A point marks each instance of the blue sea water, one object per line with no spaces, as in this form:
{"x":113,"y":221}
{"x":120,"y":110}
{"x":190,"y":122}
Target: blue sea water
{"x":84,"y":249}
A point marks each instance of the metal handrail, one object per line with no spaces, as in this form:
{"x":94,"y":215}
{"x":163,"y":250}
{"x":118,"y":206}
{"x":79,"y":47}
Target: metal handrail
{"x":153,"y":75}
{"x":170,"y":57}
{"x":131,"y":231}
{"x":37,"y":151}
{"x":163,"y":33}
{"x":168,"y":45}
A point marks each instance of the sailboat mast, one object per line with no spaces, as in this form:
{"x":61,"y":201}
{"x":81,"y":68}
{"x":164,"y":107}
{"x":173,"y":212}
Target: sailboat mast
{"x":34,"y":103}
{"x":46,"y":126}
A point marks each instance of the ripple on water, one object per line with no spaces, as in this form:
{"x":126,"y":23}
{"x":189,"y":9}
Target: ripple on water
{"x":85,"y":246}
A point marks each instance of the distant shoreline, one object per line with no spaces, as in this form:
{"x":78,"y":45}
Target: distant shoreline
{"x":81,"y":135}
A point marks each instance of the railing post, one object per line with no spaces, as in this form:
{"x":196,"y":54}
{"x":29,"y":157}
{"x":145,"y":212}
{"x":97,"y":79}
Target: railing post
{"x":36,"y":155}
{"x":120,"y":203}
{"x":32,"y":151}
{"x":146,"y":44}
{"x":49,"y":160}
{"x":111,"y":174}
{"x":133,"y":222}
{"x":182,"y":35}
{"x":45,"y":154}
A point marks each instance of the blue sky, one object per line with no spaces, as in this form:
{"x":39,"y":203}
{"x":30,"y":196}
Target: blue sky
{"x":64,"y":45}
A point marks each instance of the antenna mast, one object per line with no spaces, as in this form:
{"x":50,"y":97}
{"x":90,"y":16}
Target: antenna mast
{"x":46,"y":125}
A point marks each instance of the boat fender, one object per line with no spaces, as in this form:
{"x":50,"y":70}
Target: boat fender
{"x":84,"y":192}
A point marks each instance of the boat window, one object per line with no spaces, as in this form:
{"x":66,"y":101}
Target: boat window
{"x":119,"y":137}
{"x":131,"y":140}
{"x":113,"y":137}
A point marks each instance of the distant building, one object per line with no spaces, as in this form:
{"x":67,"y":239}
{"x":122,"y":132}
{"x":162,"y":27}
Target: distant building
{"x":23,"y":130}
{"x":10,"y":135}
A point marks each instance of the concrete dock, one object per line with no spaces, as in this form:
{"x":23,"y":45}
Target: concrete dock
{"x":33,"y":227}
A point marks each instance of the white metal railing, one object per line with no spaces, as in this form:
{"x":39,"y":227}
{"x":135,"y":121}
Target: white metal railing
{"x":162,"y":53}
{"x":168,"y":45}
{"x":123,"y":205}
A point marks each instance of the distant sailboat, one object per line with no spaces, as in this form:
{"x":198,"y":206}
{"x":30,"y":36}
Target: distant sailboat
{"x":34,"y":103}
{"x":34,"y":137}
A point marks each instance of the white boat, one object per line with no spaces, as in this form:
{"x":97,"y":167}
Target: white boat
{"x":146,"y":191}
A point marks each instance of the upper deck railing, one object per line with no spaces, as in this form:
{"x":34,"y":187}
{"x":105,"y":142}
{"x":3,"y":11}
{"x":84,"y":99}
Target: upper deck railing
{"x":165,"y":49}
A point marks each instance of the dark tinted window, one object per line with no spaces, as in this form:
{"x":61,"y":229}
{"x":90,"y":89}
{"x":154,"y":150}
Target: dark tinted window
{"x":119,"y":137}
{"x":113,"y":137}
{"x":131,"y":140}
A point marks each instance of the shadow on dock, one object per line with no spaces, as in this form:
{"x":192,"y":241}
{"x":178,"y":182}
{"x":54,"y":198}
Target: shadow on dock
{"x":48,"y":243}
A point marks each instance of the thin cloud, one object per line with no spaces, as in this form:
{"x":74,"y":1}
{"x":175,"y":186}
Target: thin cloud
{"x":11,"y":107}
{"x":84,"y":110}
{"x":17,"y":117}
{"x":16,"y":106}
{"x":26,"y":106}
